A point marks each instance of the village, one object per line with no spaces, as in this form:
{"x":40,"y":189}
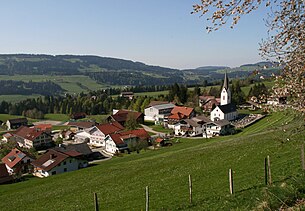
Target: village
{"x":125,"y":131}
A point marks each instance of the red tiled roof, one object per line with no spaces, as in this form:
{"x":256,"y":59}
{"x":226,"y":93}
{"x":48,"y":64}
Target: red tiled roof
{"x":121,"y":115}
{"x":28,"y":133}
{"x":154,"y":103}
{"x":52,"y":158}
{"x":159,"y":140}
{"x":117,"y":139}
{"x":43,"y":127}
{"x":82,"y":124}
{"x":183,"y":110}
{"x":207,"y":97}
{"x":13,"y":158}
{"x":110,"y":128}
{"x":140,"y":133}
{"x":177,"y":116}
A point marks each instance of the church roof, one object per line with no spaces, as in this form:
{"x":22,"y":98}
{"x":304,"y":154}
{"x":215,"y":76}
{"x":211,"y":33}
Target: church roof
{"x":226,"y":82}
{"x":231,"y":107}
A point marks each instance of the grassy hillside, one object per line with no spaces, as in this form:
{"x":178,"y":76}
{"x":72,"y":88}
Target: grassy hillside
{"x":120,"y":182}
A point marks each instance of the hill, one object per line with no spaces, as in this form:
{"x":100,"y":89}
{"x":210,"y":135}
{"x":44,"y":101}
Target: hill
{"x":120,"y":183}
{"x":105,"y":71}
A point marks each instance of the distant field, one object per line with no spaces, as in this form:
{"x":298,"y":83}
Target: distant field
{"x":67,"y":82}
{"x":16,"y":98}
{"x":57,"y":117}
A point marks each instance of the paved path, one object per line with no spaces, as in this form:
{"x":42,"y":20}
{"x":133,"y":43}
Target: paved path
{"x":149,"y":129}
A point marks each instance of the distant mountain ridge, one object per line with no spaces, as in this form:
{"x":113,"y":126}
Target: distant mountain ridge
{"x":114,"y":71}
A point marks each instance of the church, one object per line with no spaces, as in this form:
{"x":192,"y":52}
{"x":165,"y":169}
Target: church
{"x":226,"y":110}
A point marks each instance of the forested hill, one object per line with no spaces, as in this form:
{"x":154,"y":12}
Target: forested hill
{"x":114,"y":71}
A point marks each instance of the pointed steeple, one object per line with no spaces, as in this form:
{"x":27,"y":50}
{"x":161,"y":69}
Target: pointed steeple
{"x":226,"y":82}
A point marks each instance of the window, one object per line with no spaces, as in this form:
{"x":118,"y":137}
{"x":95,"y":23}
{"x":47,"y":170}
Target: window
{"x":65,"y":169}
{"x":224,"y":97}
{"x":53,"y":172}
{"x":65,"y":162}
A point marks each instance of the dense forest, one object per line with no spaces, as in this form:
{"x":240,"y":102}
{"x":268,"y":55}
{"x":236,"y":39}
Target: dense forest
{"x":28,"y":88}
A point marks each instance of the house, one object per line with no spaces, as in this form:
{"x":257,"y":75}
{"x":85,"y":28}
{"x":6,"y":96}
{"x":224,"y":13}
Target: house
{"x":7,"y":137}
{"x":5,"y":177}
{"x":191,"y":127}
{"x":80,"y":126}
{"x":128,"y":95}
{"x":95,"y":136}
{"x":226,"y":110}
{"x":216,"y":128}
{"x":16,"y":123}
{"x":178,"y":113}
{"x":17,"y":162}
{"x":57,"y":162}
{"x":44,"y":127}
{"x":32,"y":138}
{"x":159,"y":142}
{"x":121,"y":116}
{"x":158,"y":112}
{"x":208,"y":103}
{"x":119,"y":142}
{"x":82,"y":148}
{"x":79,"y":115}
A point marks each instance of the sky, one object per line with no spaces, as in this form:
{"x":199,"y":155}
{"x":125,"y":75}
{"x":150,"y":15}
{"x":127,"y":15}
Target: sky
{"x":156,"y":32}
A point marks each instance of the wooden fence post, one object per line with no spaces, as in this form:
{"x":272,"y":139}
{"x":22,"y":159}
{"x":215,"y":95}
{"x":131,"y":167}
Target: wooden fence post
{"x":302,"y":157}
{"x":147,"y":198}
{"x":95,"y":202}
{"x":231,"y":181}
{"x":190,"y":188}
{"x":268,"y":178}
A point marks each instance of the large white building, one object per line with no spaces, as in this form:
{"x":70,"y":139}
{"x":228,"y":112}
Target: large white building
{"x":157,"y":113}
{"x":226,"y":110}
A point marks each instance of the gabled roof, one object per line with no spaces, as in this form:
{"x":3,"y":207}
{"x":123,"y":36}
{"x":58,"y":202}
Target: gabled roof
{"x":110,"y":128}
{"x":117,"y":139}
{"x":122,"y":115}
{"x":140,"y":133}
{"x":222,"y":122}
{"x":43,"y":127}
{"x":228,"y":108}
{"x":52,"y":158}
{"x":18,"y":120}
{"x":13,"y":157}
{"x":201,"y":118}
{"x":182,"y":110}
{"x":177,"y":116}
{"x":82,"y":148}
{"x":154,"y":103}
{"x":191,"y":122}
{"x":159,"y":140}
{"x":28,"y":133}
{"x":83,"y":124}
{"x":206,"y":97}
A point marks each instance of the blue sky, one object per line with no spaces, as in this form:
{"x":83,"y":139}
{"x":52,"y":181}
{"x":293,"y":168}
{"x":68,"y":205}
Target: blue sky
{"x":157,"y":32}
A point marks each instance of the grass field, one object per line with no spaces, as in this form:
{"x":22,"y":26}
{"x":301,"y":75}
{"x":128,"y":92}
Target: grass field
{"x":120,"y":183}
{"x":57,"y":117}
{"x":67,"y":82}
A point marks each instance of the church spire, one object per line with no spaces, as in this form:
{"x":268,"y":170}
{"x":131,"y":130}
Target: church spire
{"x":226,"y":82}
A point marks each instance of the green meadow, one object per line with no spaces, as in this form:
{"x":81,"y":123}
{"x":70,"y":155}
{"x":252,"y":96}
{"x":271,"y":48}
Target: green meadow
{"x":120,"y":182}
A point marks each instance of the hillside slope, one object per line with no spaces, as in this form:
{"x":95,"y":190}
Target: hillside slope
{"x":120,"y":183}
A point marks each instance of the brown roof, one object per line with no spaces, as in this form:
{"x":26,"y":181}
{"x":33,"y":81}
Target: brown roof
{"x":28,"y":133}
{"x":43,"y":127}
{"x":18,"y":120}
{"x":110,"y":128}
{"x":177,"y":116}
{"x":183,"y":110}
{"x":121,"y":115}
{"x":13,"y":157}
{"x":140,"y":133}
{"x":52,"y":158}
{"x":159,"y":140}
{"x":84,"y":124}
{"x":117,"y":139}
{"x":154,"y":103}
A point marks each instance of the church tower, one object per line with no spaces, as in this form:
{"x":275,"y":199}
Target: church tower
{"x":225,"y":92}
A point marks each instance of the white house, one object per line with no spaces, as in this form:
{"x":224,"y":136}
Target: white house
{"x":157,"y":113}
{"x":220,"y":127}
{"x":115,"y":143}
{"x":191,"y":127}
{"x":55,"y":162}
{"x":96,"y":135}
{"x":226,"y":109}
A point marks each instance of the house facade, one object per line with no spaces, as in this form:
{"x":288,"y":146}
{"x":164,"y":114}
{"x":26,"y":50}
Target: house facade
{"x":54,"y":162}
{"x":17,"y":162}
{"x":16,"y":123}
{"x":216,"y":128}
{"x":32,"y":138}
{"x":5,"y":177}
